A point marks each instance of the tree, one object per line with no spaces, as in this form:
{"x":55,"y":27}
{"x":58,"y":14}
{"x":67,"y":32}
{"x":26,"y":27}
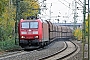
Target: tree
{"x":78,"y":33}
{"x":8,"y":14}
{"x":28,"y":8}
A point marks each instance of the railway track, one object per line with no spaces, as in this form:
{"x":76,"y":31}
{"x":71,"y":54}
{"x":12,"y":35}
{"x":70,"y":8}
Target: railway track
{"x":11,"y":54}
{"x":21,"y":51}
{"x":17,"y":52}
{"x":51,"y":52}
{"x":67,"y":51}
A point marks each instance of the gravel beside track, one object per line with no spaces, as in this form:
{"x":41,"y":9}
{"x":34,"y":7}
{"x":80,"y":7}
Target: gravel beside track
{"x":79,"y":55}
{"x":36,"y":54}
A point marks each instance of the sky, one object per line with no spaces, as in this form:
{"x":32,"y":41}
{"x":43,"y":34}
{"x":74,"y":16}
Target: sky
{"x":64,"y":9}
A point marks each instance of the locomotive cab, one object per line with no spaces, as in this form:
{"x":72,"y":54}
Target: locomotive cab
{"x":29,"y":31}
{"x":33,"y":32}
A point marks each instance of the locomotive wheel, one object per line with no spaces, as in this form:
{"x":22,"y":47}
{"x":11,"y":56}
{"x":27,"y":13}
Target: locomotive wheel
{"x":45,"y":43}
{"x":21,"y":45}
{"x":48,"y":42}
{"x":41,"y":44}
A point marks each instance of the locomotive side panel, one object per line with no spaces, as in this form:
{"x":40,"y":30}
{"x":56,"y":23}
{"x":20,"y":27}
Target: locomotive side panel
{"x":68,"y":32}
{"x":59,"y":31}
{"x":63,"y":32}
{"x":55,"y":27}
{"x":51,"y":29}
{"x":45,"y":32}
{"x":56,"y":30}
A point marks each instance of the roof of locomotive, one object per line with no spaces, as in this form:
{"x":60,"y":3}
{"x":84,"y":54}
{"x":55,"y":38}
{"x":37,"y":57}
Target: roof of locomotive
{"x":39,"y":20}
{"x":22,"y":20}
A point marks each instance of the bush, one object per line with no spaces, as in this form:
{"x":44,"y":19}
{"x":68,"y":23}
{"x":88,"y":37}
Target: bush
{"x":78,"y":34}
{"x":8,"y":45}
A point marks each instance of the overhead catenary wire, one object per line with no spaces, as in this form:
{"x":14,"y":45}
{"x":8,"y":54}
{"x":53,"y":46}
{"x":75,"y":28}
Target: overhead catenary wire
{"x":64,"y":4}
{"x":66,"y":1}
{"x":81,"y":1}
{"x":80,"y":4}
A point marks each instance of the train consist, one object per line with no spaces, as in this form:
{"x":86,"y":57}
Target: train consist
{"x":37,"y":32}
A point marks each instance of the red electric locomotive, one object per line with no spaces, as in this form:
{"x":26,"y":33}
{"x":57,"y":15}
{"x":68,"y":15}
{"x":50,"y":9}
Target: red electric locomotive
{"x":33,"y":32}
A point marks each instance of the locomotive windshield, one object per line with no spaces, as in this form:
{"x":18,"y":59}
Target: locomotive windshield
{"x":33,"y":24}
{"x":29,"y":24}
{"x":25,"y":24}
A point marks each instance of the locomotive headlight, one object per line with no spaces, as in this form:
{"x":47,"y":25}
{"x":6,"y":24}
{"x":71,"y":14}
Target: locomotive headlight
{"x":22,"y":37}
{"x":23,"y":32}
{"x":36,"y":37}
{"x":35,"y":32}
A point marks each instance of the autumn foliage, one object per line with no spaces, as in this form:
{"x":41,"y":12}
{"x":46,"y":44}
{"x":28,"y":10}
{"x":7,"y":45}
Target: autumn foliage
{"x":78,"y":33}
{"x":8,"y":15}
{"x":8,"y":18}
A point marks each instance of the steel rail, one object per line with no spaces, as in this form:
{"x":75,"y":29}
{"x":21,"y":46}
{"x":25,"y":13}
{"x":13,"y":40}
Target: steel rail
{"x":69,"y":53}
{"x":52,"y":55}
{"x":55,"y":53}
